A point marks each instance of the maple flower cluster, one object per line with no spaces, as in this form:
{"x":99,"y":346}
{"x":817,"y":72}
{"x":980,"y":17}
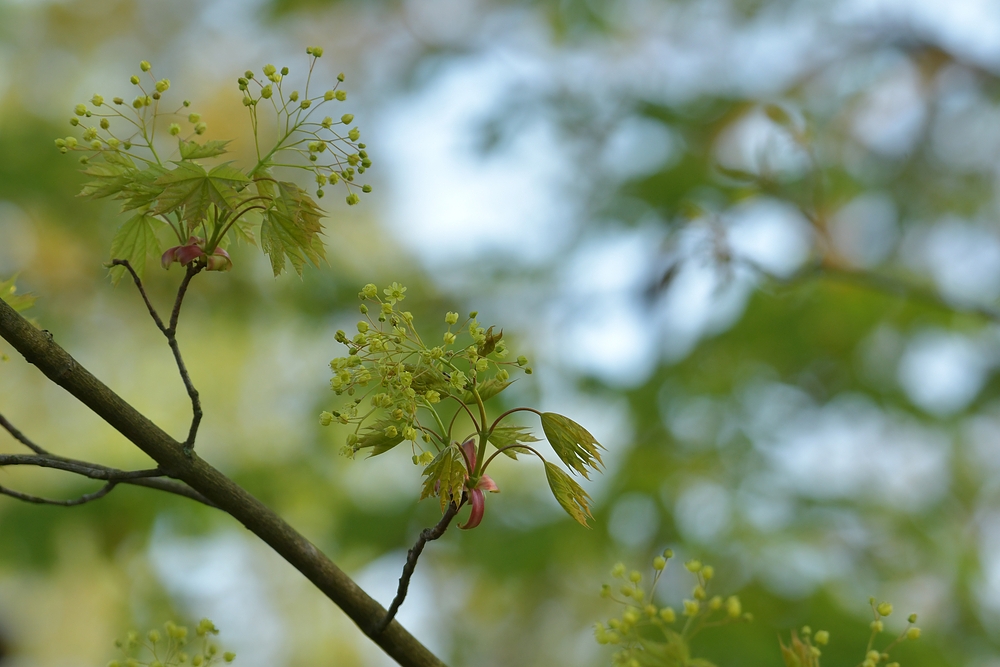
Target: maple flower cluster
{"x":161,"y":181}
{"x":646,"y":632}
{"x":402,"y":388}
{"x":397,"y":378}
{"x":649,"y":635}
{"x":329,"y":146}
{"x":171,"y":647}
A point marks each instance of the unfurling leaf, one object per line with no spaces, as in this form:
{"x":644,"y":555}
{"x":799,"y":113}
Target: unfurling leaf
{"x":506,"y":436}
{"x":445,"y":477}
{"x":192,"y":150}
{"x":487,"y":390}
{"x":291,"y":227}
{"x":135,"y":241}
{"x":109,"y":178}
{"x":190,"y":189}
{"x":490,"y":343}
{"x":380,"y":438}
{"x":572,"y":443}
{"x":8,"y":293}
{"x":568,"y":493}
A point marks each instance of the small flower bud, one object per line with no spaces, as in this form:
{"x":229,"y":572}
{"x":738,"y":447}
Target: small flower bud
{"x":668,"y":615}
{"x":162,"y":85}
{"x":354,"y":134}
{"x":105,"y":124}
{"x":305,"y":104}
{"x":175,"y":129}
{"x":294,"y":96}
{"x":635,"y":576}
{"x":97,"y":100}
{"x":699,"y":592}
{"x":352,"y":199}
{"x":317,"y":52}
{"x":618,"y":570}
{"x":340,"y":95}
{"x":822,"y":638}
{"x":605,"y":590}
{"x":691,"y":607}
{"x":708,"y":572}
{"x":145,"y":66}
{"x":884,"y":608}
{"x":329,"y":95}
{"x":228,"y":656}
{"x":325,"y":418}
{"x":200,"y":128}
{"x":74,"y":121}
{"x":733,"y":607}
{"x":877,"y":626}
{"x":912,"y":618}
{"x":153,"y":636}
{"x":269,"y":70}
{"x":913,"y":633}
{"x":347,"y":118}
{"x":693,"y":566}
{"x":80,"y":110}
{"x":284,"y":71}
{"x":340,"y":77}
{"x":715,"y":603}
{"x":134,"y":80}
{"x":118,"y":100}
{"x":659,"y":563}
{"x":266,"y":92}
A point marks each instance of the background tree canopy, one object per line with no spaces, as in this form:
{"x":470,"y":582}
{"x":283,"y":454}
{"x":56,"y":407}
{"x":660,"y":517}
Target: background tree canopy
{"x":752,"y":245}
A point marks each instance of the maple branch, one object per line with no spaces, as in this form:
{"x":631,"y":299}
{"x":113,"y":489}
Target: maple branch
{"x":170,"y":332}
{"x":426,"y":535}
{"x":85,"y":498}
{"x":20,"y":437}
{"x":41,"y":350}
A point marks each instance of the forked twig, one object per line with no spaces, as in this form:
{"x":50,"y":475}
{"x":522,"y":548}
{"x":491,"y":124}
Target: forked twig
{"x":412,"y":555}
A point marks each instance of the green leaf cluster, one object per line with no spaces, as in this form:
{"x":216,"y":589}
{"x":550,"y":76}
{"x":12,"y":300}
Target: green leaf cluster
{"x":205,"y":208}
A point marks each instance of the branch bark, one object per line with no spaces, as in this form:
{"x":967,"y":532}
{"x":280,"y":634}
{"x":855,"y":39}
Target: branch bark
{"x":41,"y":350}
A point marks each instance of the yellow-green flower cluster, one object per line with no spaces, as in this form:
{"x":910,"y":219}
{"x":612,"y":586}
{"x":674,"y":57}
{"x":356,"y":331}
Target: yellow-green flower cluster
{"x":873,"y":657}
{"x":139,"y":120}
{"x":329,"y":147}
{"x":172,"y":647}
{"x":657,"y":626}
{"x":395,"y":377}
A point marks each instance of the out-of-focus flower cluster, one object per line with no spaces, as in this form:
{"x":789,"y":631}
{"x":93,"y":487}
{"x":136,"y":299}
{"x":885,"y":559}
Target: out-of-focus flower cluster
{"x":172,"y":647}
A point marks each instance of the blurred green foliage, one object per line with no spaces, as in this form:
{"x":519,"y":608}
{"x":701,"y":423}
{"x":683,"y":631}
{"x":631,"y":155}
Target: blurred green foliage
{"x":785,"y":440}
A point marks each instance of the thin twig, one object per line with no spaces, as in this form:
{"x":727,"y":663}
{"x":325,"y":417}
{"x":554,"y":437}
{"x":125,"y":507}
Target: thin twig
{"x":170,"y":486}
{"x":20,"y":437}
{"x":83,"y":468}
{"x":170,"y":332}
{"x":73,"y":502}
{"x":152,"y":478}
{"x":412,"y":555}
{"x":142,"y":291}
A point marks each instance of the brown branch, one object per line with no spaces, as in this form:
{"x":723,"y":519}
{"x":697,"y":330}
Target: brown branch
{"x":170,"y":332}
{"x":85,"y":498}
{"x":64,"y":370}
{"x":20,"y":437}
{"x":412,"y":555}
{"x":150,"y":478}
